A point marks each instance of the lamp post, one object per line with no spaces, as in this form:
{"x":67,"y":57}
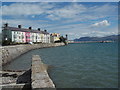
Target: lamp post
{"x":66,"y":37}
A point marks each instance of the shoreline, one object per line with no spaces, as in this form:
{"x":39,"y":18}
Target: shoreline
{"x":91,"y":42}
{"x":9,"y":53}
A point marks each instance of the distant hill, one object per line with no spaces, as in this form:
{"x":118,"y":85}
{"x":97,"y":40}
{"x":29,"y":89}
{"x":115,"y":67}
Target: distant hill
{"x":107,"y":38}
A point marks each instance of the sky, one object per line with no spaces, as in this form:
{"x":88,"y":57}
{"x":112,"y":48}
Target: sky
{"x":60,"y":0}
{"x":77,"y":19}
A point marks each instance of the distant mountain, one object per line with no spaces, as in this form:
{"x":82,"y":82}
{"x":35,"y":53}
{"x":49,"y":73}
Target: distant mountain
{"x":107,"y":38}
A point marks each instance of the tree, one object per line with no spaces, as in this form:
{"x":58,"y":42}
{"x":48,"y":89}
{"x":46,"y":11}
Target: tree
{"x":62,"y":39}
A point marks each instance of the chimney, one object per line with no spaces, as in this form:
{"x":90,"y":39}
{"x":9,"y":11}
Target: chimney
{"x":6,"y":25}
{"x":45,"y":30}
{"x":30,"y":28}
{"x":19,"y":26}
{"x":38,"y":29}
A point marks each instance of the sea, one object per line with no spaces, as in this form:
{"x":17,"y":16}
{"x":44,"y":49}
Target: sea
{"x":79,"y":65}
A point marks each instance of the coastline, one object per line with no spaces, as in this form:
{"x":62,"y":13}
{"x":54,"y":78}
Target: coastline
{"x":9,"y":53}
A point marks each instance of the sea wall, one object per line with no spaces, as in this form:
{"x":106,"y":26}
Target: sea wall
{"x":39,"y":75}
{"x":11,"y":52}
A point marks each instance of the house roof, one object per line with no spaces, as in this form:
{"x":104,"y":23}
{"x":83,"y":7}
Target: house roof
{"x":24,"y":30}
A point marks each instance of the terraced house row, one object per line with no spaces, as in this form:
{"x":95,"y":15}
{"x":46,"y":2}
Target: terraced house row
{"x":22,"y":35}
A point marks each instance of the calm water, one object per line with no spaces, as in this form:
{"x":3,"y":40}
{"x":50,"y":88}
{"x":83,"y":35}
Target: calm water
{"x":87,"y":65}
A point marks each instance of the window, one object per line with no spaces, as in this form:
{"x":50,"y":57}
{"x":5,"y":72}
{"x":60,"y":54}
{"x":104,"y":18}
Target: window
{"x":22,"y":36}
{"x":14,"y":36}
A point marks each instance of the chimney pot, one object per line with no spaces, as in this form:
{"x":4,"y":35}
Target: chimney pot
{"x":19,"y":26}
{"x":30,"y":28}
{"x":45,"y":30}
{"x":6,"y":25}
{"x":38,"y":29}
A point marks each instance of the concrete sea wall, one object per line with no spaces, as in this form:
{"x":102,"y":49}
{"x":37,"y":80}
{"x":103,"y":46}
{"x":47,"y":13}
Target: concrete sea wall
{"x":39,"y":75}
{"x":11,"y":52}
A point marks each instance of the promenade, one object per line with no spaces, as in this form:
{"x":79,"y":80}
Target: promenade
{"x":35,"y":77}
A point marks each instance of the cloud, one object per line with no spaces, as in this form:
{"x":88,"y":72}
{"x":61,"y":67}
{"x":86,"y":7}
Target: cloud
{"x":26,"y":8}
{"x":27,"y":23}
{"x":73,"y":30}
{"x":72,"y":11}
{"x":60,"y":1}
{"x":81,"y":30}
{"x":81,"y":12}
{"x":53,"y":17}
{"x":33,"y":16}
{"x":101,"y":33}
{"x":101,"y":24}
{"x":69,"y":11}
{"x":74,"y":19}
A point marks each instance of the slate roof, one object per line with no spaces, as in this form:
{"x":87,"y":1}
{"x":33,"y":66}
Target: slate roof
{"x":24,"y":30}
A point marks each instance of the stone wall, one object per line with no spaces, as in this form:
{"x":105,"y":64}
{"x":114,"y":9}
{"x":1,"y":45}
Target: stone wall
{"x":13,"y":87}
{"x":39,"y":75}
{"x":11,"y":52}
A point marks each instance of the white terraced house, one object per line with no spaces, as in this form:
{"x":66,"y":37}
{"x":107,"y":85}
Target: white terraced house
{"x":22,"y":35}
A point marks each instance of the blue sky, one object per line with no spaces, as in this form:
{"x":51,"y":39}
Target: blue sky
{"x":77,"y":19}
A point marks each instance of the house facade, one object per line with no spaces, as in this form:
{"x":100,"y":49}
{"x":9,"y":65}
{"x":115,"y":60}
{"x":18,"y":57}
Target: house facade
{"x":55,"y":37}
{"x":22,"y":35}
